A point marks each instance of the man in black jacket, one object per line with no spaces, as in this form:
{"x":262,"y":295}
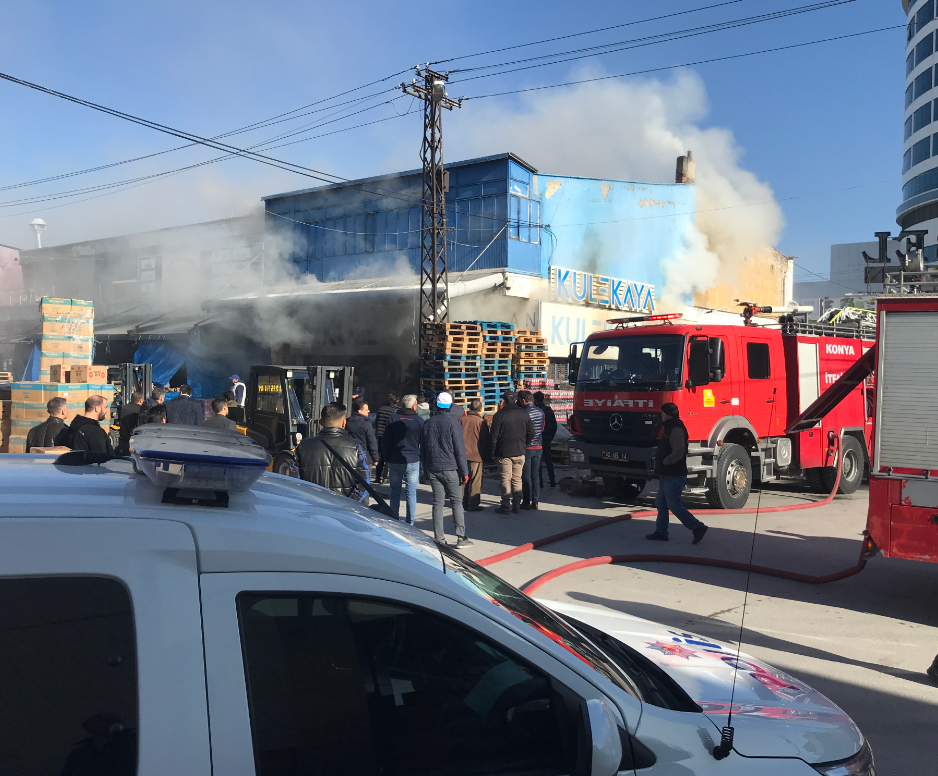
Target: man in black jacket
{"x":318,"y":464}
{"x":220,"y":419}
{"x":129,"y":420}
{"x":184,"y":410}
{"x":443,"y":455}
{"x":671,"y":468}
{"x":85,"y":432}
{"x":382,"y":418}
{"x":550,"y":431}
{"x":45,"y":433}
{"x":512,"y":432}
{"x":400,"y":449}
{"x":360,"y":429}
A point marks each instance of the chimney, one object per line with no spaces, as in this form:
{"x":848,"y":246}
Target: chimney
{"x":685,"y":169}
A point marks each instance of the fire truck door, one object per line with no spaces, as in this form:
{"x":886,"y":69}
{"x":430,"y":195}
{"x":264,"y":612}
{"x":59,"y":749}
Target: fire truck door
{"x":763,"y":371}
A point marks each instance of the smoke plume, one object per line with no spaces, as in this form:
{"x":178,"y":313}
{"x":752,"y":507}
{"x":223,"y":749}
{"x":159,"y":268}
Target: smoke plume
{"x":634,"y":130}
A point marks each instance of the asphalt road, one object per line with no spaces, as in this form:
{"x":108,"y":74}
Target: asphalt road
{"x":864,"y":641}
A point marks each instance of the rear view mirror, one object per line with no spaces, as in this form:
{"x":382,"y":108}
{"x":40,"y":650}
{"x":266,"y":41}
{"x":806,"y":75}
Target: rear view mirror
{"x":573,"y":364}
{"x":601,"y":745}
{"x":698,"y":363}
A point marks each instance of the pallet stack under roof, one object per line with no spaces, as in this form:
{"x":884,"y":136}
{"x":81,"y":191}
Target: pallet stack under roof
{"x":530,"y":360}
{"x":498,"y":342}
{"x":451,"y":360}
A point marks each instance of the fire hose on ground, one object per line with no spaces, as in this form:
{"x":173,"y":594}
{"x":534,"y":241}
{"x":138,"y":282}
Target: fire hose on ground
{"x":685,"y":559}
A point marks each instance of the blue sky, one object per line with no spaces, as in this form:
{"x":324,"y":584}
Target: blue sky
{"x":821,"y":125}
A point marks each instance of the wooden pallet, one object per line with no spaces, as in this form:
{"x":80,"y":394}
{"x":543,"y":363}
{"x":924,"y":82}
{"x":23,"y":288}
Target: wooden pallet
{"x":450,"y":366}
{"x":531,"y":362}
{"x":497,"y":332}
{"x":528,"y":333}
{"x":433,"y":328}
{"x":530,"y":340}
{"x":498,"y":350}
{"x":446,"y":385}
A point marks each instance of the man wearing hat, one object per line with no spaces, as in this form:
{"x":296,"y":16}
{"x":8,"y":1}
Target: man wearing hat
{"x":443,"y":455}
{"x":671,"y":468}
{"x":239,"y":389}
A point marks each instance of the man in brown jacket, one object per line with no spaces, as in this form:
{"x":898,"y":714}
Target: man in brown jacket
{"x":475,"y":432}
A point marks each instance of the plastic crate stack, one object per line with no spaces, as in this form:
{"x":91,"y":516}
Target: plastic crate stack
{"x":451,"y":360}
{"x":498,"y":342}
{"x":530,"y":360}
{"x":561,"y":399}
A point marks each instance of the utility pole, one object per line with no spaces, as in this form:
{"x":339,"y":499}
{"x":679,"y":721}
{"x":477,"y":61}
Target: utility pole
{"x":430,"y":87}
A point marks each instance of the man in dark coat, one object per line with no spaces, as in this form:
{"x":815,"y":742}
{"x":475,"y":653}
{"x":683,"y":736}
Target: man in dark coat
{"x":318,"y":464}
{"x":443,"y":455}
{"x":400,"y":448}
{"x":85,"y":432}
{"x":475,"y":434}
{"x":157,"y":396}
{"x":129,"y":420}
{"x":550,"y":431}
{"x":530,"y":481}
{"x":220,"y":419}
{"x":45,"y":433}
{"x":671,"y":468}
{"x":512,"y":432}
{"x":360,"y":429}
{"x":382,"y":417}
{"x":184,"y":410}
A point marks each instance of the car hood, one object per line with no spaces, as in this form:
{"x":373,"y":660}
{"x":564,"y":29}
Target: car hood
{"x":774,"y":714}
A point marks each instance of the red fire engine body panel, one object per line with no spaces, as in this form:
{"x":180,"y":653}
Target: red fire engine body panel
{"x":767,"y":379}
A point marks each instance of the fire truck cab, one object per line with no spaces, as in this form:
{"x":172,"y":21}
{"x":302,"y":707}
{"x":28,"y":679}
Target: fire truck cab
{"x":736,"y":387}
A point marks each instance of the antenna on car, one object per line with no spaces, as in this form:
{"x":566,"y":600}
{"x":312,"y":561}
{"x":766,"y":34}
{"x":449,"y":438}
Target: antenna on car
{"x":725,"y":746}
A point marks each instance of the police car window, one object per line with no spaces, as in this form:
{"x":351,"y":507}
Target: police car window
{"x":360,"y":687}
{"x":757,"y":358}
{"x":68,"y":677}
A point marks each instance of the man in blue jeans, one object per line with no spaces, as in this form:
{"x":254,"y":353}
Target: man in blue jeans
{"x":400,"y":448}
{"x":671,"y":468}
{"x":443,"y":453}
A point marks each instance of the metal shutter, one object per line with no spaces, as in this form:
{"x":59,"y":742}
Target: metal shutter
{"x":907,"y":412}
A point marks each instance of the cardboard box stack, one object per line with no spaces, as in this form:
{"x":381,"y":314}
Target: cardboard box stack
{"x":6,"y":417}
{"x":498,"y":342}
{"x":450,"y":360}
{"x":65,"y":352}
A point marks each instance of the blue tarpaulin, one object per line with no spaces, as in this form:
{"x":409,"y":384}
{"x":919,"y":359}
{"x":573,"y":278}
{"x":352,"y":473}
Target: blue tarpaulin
{"x":31,"y":373}
{"x":206,"y":370}
{"x":165,"y":358}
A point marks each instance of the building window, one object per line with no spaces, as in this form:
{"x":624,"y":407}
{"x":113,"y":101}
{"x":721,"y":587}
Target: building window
{"x":909,"y":96}
{"x":525,"y":220}
{"x":924,"y":15}
{"x":360,"y":686}
{"x":908,"y":128}
{"x":924,"y":48}
{"x":757,"y":358}
{"x":910,"y":62}
{"x":921,"y":151}
{"x":921,"y":117}
{"x":68,"y":669}
{"x":907,"y":161}
{"x":923,"y":83}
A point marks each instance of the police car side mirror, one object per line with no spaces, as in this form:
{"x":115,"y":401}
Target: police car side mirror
{"x":600,"y":745}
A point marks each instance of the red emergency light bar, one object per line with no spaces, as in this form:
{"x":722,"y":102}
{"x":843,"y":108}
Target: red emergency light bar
{"x":641,"y":318}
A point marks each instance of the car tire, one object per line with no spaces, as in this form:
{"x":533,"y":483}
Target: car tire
{"x":623,"y":489}
{"x":732,"y":480}
{"x":815,"y":481}
{"x":282,"y":464}
{"x":851,"y":471}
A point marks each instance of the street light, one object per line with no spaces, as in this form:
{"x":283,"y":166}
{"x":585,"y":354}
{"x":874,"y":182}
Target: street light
{"x":38,"y":226}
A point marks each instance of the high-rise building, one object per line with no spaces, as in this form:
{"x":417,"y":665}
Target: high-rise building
{"x":919,"y":208}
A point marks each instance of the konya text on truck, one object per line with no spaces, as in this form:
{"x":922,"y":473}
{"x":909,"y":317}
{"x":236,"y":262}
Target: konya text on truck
{"x":736,"y":387}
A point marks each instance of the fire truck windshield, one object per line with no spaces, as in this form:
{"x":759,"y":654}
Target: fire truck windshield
{"x":637,"y":363}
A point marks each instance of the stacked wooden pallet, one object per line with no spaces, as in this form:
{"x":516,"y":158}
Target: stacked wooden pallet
{"x":497,"y":349}
{"x":451,"y":360}
{"x":530,"y":359}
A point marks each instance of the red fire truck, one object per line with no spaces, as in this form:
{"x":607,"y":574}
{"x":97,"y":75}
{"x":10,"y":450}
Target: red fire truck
{"x":736,"y":387}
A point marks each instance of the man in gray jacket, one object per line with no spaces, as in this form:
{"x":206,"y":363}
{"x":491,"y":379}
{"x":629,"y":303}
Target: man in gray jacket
{"x":443,"y":455}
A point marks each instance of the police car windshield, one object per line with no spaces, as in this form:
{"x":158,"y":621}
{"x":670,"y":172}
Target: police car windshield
{"x":494,"y":590}
{"x":638,"y":362}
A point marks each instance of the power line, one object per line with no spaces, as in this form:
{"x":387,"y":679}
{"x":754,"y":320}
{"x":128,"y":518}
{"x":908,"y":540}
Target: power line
{"x":685,"y":64}
{"x":649,"y":40}
{"x":827,"y":280}
{"x":587,"y":32}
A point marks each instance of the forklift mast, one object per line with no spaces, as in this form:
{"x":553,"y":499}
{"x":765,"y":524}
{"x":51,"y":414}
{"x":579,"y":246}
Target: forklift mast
{"x":128,"y":378}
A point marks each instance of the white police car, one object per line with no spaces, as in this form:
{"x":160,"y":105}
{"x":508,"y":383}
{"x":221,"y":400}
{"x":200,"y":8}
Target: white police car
{"x":276,"y":629}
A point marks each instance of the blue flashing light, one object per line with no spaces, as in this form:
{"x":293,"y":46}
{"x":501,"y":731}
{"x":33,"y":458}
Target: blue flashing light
{"x":194,"y":458}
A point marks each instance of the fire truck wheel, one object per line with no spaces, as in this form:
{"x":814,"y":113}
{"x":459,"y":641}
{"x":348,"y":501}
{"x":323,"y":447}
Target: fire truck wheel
{"x":622,"y":489}
{"x":733,"y":479}
{"x":852,"y":471}
{"x":815,"y":481}
{"x":282,"y":464}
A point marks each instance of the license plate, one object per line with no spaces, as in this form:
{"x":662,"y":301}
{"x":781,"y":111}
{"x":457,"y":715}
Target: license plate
{"x":614,"y":455}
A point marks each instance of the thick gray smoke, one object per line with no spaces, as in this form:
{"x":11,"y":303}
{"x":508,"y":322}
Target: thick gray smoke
{"x":635,"y":130}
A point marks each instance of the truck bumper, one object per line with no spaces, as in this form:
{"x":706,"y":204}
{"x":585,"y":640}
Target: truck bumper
{"x":638,"y":462}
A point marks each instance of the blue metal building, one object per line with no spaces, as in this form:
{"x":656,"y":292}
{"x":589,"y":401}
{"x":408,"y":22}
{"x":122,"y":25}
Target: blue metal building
{"x":370,"y":228}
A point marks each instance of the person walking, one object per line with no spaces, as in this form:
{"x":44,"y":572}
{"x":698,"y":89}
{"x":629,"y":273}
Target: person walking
{"x":184,"y":410}
{"x":360,"y":429}
{"x":475,"y":434}
{"x":423,"y":406}
{"x":220,"y":419}
{"x":550,"y":431}
{"x":400,"y":448}
{"x":382,"y":416}
{"x":443,"y":454}
{"x":238,"y":388}
{"x":157,"y":396}
{"x":318,"y":464}
{"x":156,"y":414}
{"x":530,"y":474}
{"x":671,"y":468}
{"x":511,"y":433}
{"x":128,"y":420}
{"x":85,"y":432}
{"x":45,"y":433}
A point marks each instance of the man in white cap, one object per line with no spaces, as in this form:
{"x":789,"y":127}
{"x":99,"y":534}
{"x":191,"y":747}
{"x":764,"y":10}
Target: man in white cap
{"x":239,"y":389}
{"x":443,"y":455}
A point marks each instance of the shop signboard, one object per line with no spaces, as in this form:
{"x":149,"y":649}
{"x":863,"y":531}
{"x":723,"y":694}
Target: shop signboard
{"x":562,"y":324}
{"x":570,"y":286}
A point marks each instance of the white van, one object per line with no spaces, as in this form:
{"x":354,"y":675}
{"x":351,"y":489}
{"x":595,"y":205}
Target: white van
{"x":283,"y":631}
